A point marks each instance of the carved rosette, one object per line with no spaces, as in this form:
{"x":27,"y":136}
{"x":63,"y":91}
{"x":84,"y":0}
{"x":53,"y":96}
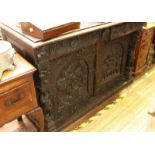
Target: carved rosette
{"x":71,"y":85}
{"x":112,"y":62}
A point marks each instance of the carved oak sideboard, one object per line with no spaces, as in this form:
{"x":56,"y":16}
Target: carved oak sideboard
{"x":77,"y":68}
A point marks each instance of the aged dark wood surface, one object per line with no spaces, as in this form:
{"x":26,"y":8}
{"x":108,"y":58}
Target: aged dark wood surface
{"x":76,"y":73}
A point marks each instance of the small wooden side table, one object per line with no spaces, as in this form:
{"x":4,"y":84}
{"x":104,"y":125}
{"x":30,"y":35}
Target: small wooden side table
{"x":18,"y":96}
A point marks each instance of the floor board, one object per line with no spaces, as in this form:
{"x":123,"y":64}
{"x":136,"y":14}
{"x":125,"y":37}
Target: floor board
{"x":19,"y":126}
{"x":130,"y":111}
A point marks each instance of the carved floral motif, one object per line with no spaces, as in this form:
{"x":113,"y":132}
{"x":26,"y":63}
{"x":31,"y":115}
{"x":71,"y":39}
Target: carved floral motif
{"x":72,"y":83}
{"x":112,"y":62}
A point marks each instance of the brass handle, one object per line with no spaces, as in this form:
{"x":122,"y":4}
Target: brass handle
{"x":11,"y":101}
{"x":8,"y":102}
{"x":21,"y":95}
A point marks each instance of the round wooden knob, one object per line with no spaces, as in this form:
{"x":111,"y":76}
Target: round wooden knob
{"x":21,"y":95}
{"x":8,"y":102}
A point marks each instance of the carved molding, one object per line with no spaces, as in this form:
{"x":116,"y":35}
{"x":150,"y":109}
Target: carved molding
{"x":68,"y":46}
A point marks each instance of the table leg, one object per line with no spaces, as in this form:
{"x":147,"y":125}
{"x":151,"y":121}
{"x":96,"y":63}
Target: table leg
{"x":19,"y":118}
{"x":37,"y":118}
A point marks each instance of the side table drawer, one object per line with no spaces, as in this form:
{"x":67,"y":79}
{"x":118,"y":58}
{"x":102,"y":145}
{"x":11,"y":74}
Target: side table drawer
{"x":16,"y":102}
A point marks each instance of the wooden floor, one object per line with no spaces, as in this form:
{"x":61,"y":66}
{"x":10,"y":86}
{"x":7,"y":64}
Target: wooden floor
{"x":133,"y":110}
{"x":19,"y":126}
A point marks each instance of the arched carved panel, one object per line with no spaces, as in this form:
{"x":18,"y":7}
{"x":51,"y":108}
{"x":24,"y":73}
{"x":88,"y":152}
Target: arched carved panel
{"x":111,"y":63}
{"x":68,"y":81}
{"x":71,"y":87}
{"x":112,"y":59}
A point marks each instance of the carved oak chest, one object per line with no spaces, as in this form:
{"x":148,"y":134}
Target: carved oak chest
{"x":78,"y":67}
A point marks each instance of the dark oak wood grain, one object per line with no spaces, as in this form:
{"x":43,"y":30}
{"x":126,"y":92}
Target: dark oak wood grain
{"x":79,"y":70}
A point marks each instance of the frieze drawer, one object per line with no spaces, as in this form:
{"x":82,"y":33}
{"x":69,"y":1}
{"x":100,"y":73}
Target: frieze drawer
{"x":15,"y":99}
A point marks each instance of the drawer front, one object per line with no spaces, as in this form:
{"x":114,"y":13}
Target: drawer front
{"x":13,"y":84}
{"x":16,"y":101}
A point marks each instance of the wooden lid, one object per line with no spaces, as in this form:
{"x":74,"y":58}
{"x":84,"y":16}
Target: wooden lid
{"x":47,"y":30}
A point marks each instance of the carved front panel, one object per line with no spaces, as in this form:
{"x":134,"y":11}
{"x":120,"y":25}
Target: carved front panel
{"x":72,"y":81}
{"x":67,"y":82}
{"x":111,"y":63}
